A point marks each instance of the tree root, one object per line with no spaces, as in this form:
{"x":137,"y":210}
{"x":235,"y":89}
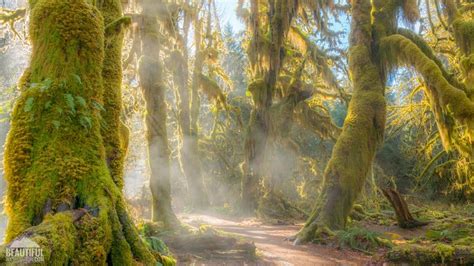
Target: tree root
{"x":314,"y":233}
{"x":274,"y":207}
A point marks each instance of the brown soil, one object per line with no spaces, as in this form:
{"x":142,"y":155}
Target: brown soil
{"x":271,"y":243}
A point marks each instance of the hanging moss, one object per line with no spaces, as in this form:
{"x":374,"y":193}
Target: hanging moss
{"x":452,"y":99}
{"x":212,"y":90}
{"x":318,"y":122}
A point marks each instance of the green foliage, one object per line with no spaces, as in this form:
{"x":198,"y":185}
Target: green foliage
{"x":42,"y":86}
{"x":70,"y":102}
{"x":28,"y":104}
{"x":361,"y":239}
{"x":157,"y":244}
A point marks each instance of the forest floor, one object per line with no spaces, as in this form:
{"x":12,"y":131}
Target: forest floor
{"x":271,"y":242}
{"x":371,"y":237}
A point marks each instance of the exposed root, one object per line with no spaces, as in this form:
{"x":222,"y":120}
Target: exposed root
{"x":275,"y":208}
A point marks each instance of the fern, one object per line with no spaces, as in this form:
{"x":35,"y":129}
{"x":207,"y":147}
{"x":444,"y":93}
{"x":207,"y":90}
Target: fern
{"x":70,"y":102}
{"x":98,"y":106}
{"x":29,"y":104}
{"x":81,"y":101}
{"x":86,"y":122}
{"x":77,"y":78}
{"x":157,"y":244}
{"x":361,"y":239}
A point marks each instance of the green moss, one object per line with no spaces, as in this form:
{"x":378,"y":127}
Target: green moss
{"x":90,"y":250}
{"x":451,"y":99}
{"x":35,"y":152}
{"x":55,"y":160}
{"x":362,"y":132}
{"x":362,"y":239}
{"x":113,"y":131}
{"x":422,"y":254}
{"x":260,"y":93}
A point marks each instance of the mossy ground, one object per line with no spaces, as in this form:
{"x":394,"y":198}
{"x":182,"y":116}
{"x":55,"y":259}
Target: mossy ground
{"x":191,"y":243}
{"x":448,"y":238}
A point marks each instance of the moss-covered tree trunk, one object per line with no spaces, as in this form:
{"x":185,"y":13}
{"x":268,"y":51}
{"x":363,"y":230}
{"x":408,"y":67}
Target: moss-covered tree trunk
{"x":262,"y":88}
{"x":451,"y":99}
{"x":60,"y":191}
{"x":192,"y":163}
{"x":151,"y":81}
{"x":363,"y":130}
{"x":115,"y":133}
{"x":254,"y":147}
{"x":188,"y":112}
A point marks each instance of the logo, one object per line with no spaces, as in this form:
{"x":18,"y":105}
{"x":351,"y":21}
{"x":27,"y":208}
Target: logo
{"x":24,"y":251}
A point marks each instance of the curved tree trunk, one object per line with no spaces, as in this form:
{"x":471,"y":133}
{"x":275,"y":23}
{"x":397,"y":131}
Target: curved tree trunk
{"x":151,"y":81}
{"x":363,"y":130}
{"x":60,"y":191}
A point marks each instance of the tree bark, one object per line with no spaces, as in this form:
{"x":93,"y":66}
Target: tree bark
{"x":60,"y":191}
{"x":363,"y":130}
{"x":404,"y":217}
{"x":189,"y":112}
{"x":262,"y":88}
{"x":115,"y":134}
{"x":151,"y":82}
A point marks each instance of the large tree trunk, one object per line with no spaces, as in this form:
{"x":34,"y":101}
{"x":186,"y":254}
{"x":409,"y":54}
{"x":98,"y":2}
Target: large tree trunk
{"x":151,"y":81}
{"x":60,"y":191}
{"x":363,"y":130}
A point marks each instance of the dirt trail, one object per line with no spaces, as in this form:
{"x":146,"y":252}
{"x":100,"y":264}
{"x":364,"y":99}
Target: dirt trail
{"x":272,"y":248}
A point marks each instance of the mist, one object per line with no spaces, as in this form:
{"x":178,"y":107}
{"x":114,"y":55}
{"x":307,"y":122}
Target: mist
{"x":238,"y":132}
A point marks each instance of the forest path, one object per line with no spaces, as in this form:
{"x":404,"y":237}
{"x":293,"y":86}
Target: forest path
{"x":272,"y":248}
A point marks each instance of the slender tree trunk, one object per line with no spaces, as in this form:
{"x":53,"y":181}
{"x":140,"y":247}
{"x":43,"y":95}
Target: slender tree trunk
{"x":60,"y":191}
{"x":189,"y":104}
{"x":192,"y":165}
{"x":363,"y":130}
{"x":115,"y":134}
{"x":151,"y":81}
{"x":255,"y":143}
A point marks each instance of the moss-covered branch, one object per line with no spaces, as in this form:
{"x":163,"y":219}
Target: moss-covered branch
{"x":452,"y":99}
{"x":116,"y":26}
{"x":426,"y":49}
{"x":318,"y":122}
